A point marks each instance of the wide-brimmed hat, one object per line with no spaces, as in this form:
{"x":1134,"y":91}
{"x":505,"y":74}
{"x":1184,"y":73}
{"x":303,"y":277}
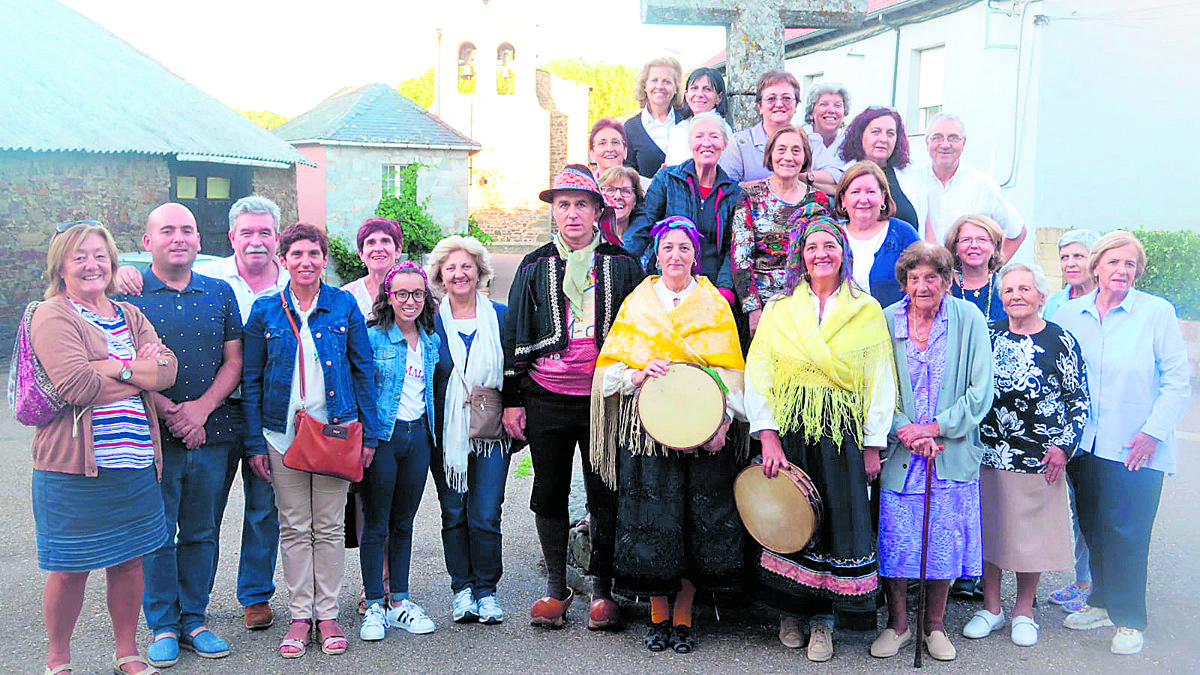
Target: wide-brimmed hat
{"x":575,"y":178}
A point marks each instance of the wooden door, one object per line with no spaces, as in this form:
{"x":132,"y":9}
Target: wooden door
{"x":208,"y":189}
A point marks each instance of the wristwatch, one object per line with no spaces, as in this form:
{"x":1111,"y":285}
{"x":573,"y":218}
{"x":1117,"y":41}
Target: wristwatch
{"x":126,"y":371}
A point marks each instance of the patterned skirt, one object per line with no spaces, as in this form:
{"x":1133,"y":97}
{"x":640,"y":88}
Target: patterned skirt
{"x":839,"y":562}
{"x":955,"y":540}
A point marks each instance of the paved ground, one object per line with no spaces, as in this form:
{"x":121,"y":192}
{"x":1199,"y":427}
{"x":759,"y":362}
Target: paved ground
{"x":739,"y":643}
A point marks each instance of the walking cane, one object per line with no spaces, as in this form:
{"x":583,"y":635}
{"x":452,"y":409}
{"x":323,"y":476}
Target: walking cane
{"x":924,"y":557}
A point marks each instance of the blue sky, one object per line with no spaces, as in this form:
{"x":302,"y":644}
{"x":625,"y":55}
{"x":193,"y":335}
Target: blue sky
{"x":288,"y":56}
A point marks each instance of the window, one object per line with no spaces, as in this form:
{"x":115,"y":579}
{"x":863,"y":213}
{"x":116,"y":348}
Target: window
{"x":931,"y":83}
{"x":466,"y":68}
{"x":393,"y":178}
{"x":185,"y":187}
{"x":216,"y":187}
{"x":505,"y":54}
{"x":809,"y":80}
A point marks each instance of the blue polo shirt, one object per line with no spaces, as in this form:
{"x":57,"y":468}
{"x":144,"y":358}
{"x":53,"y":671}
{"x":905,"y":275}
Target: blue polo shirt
{"x":195,"y":323}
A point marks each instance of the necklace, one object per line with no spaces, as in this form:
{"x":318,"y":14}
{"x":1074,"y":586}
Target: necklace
{"x":988,"y":288}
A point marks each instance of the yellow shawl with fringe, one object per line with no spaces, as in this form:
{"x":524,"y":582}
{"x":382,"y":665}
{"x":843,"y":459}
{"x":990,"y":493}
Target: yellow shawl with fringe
{"x":700,"y":330}
{"x":817,"y":376}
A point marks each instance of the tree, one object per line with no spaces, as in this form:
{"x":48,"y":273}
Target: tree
{"x":264,"y":118}
{"x":419,"y":89}
{"x":611,"y":86}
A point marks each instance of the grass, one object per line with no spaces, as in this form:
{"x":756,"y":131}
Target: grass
{"x":524,"y":467}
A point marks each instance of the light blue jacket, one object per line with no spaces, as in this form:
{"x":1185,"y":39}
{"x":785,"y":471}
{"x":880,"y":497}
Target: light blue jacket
{"x":391,"y":353}
{"x":965,"y":397}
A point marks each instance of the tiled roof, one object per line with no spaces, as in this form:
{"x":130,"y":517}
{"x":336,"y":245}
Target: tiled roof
{"x":373,"y":114}
{"x":69,"y":85}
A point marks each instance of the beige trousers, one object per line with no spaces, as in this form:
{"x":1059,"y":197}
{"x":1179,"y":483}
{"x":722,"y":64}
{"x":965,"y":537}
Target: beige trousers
{"x":312,"y":520}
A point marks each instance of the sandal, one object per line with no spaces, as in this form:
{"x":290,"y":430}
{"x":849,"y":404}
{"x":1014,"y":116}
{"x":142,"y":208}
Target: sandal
{"x":136,"y":658}
{"x":62,"y":668}
{"x":658,"y":638}
{"x":681,"y":640}
{"x":334,"y":641}
{"x":300,"y":645}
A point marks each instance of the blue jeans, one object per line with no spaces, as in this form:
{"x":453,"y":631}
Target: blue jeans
{"x":260,"y":532}
{"x":178,"y":575}
{"x":391,"y":491}
{"x":471,"y":522}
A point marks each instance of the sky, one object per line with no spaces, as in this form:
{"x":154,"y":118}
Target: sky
{"x":288,"y":56}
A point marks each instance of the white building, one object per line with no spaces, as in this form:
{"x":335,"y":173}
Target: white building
{"x":1071,"y":105}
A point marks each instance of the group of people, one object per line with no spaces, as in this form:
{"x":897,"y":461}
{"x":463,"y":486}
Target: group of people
{"x":862,"y":318}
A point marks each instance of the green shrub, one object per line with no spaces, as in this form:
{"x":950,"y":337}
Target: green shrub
{"x":1173,"y":268}
{"x":420,"y":232}
{"x":345,"y":258}
{"x":473,"y":230}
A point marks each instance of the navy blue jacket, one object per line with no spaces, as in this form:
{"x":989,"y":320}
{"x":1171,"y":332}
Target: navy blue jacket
{"x":884,"y":286}
{"x":676,"y":192}
{"x":269,"y":363}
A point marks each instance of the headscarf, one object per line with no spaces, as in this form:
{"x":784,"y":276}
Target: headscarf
{"x":808,"y":220}
{"x":678,"y":223}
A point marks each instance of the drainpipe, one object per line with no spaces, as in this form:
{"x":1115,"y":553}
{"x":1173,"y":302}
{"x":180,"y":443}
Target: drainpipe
{"x":895,"y":57}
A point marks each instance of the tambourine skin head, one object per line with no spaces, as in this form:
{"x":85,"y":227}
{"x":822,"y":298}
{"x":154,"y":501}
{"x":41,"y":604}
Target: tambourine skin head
{"x":781,"y":513}
{"x":683,"y":408}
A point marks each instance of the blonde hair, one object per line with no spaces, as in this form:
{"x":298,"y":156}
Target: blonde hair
{"x":66,"y":243}
{"x":457,"y":242}
{"x":1117,"y":239}
{"x":612,"y":173}
{"x":864,"y":168}
{"x":639,"y":84}
{"x":990,"y":226}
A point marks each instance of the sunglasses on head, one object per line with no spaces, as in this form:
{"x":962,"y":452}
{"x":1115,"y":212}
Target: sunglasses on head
{"x":63,"y":227}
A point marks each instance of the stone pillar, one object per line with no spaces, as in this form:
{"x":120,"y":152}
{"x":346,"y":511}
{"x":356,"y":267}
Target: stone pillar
{"x":754,"y":45}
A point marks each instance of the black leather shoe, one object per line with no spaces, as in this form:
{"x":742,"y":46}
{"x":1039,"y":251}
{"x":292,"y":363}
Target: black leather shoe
{"x":658,"y":638}
{"x":682,"y":641}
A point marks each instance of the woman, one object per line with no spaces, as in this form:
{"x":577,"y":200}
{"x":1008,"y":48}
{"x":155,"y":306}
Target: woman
{"x":763,"y":218}
{"x":824,"y":123}
{"x":776,"y":98}
{"x":677,"y":527}
{"x":877,"y":135}
{"x":699,"y":190}
{"x":944,"y":368}
{"x":608,"y":148}
{"x":406,"y":351}
{"x":820,"y":394}
{"x":1138,"y":384}
{"x":102,"y":453}
{"x":622,"y":188}
{"x":338,"y":381}
{"x":1040,"y":406}
{"x":469,"y":473}
{"x":876,"y":236}
{"x":380,"y":242}
{"x":974,"y":242}
{"x":1074,"y":247}
{"x":658,"y":94}
{"x":704,"y":92}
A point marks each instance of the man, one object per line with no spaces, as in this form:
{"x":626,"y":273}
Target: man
{"x":197,"y":317}
{"x":955,"y":189}
{"x":562,"y":303}
{"x":252,"y":271}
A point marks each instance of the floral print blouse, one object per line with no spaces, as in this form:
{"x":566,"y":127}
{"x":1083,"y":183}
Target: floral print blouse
{"x":760,"y":242}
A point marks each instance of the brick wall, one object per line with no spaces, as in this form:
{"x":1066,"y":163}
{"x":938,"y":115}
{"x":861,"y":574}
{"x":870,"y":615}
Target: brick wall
{"x":42,"y":189}
{"x":278,"y":185}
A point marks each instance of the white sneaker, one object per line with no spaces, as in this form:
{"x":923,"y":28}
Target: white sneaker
{"x":982,"y":624}
{"x":489,"y":610}
{"x":409,"y":616}
{"x":374,"y":623}
{"x":465,"y":609}
{"x":1024,"y":631}
{"x":1126,"y":641}
{"x":1087,"y":618}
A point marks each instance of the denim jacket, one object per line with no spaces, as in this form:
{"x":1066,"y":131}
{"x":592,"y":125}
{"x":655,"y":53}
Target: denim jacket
{"x":391,"y":352}
{"x":269,"y":363}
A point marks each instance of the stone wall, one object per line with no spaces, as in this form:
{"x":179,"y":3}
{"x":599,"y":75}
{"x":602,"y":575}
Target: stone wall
{"x":42,"y":189}
{"x":278,"y":185}
{"x":517,"y":226}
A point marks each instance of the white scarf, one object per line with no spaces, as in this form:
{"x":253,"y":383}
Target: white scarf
{"x":484,"y":368}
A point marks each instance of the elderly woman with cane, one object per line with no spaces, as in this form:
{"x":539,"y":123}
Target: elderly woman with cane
{"x":929,"y":503}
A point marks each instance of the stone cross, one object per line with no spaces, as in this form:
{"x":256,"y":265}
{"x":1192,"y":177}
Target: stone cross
{"x":753,"y":35}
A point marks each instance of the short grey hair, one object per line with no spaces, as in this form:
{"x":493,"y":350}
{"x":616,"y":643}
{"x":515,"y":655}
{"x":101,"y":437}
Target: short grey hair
{"x":1039,"y":277}
{"x":1086,"y":238}
{"x":946,"y":116}
{"x":458,"y":242}
{"x":710,"y":115}
{"x":253,"y":204}
{"x":819,"y":89}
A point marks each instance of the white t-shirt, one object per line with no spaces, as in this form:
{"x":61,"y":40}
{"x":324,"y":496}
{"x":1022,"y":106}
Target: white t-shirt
{"x":412,"y":394}
{"x":864,"y":251}
{"x":226,"y":268}
{"x":969,"y":191}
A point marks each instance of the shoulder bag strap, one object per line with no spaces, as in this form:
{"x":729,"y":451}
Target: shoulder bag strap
{"x":299,"y":345}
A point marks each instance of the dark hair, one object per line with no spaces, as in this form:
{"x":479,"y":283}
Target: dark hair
{"x":294,"y":233}
{"x":383,"y":315}
{"x":718,"y":85}
{"x":924,"y":253}
{"x":770,"y":149}
{"x":606,"y":123}
{"x":858,"y":170}
{"x":385,"y":225}
{"x":852,"y":147}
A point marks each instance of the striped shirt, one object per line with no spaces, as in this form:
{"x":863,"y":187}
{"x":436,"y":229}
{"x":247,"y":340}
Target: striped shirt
{"x":120,"y":430}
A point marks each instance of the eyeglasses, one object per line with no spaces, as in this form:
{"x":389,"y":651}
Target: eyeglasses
{"x":954,"y":139}
{"x":976,"y":241}
{"x":63,"y":227}
{"x":605,"y":143}
{"x":403,"y":295}
{"x":616,"y":191}
{"x":785,"y":100}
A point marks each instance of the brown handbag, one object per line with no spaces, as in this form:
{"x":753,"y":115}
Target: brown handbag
{"x":487,"y":414}
{"x":328,"y":449}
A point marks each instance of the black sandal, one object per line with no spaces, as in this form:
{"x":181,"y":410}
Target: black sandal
{"x":658,"y":638}
{"x":682,"y":641}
